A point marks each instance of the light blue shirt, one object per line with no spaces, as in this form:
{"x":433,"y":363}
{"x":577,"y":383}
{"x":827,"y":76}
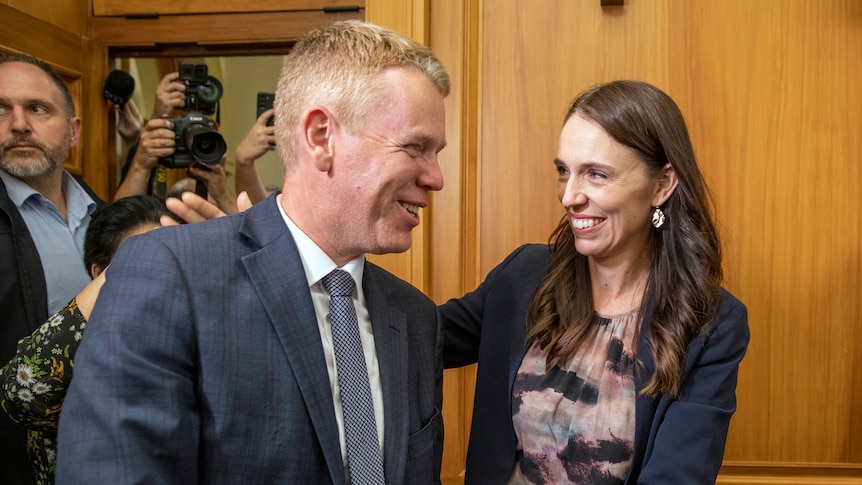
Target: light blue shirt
{"x":60,"y":243}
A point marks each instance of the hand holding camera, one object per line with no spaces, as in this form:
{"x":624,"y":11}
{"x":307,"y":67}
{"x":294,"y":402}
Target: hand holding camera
{"x":157,"y":142}
{"x":196,"y":137}
{"x":170,"y":95}
{"x":214,"y":185}
{"x":259,"y":140}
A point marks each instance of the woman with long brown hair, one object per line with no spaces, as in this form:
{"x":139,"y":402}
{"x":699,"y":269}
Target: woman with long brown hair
{"x":609,"y":355}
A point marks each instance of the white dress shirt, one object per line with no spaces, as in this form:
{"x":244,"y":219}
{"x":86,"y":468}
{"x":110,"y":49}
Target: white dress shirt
{"x":317,"y":265}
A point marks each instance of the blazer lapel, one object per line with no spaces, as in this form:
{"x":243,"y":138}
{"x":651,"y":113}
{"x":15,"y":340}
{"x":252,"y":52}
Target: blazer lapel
{"x":276,"y":271}
{"x":645,"y":407}
{"x":390,"y":340}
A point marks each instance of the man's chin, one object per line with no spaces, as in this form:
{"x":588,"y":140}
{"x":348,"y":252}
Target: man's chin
{"x":26,"y":167}
{"x":392,"y":247}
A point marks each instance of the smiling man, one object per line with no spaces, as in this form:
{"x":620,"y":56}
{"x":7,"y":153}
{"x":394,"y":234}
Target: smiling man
{"x":226,"y":336}
{"x":44,"y":213}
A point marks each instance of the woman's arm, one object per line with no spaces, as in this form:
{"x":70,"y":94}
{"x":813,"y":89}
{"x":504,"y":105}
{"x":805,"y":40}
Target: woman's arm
{"x":688,"y":433}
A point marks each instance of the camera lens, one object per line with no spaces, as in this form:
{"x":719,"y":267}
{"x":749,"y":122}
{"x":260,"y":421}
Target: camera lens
{"x":205,"y":144}
{"x":210,"y":91}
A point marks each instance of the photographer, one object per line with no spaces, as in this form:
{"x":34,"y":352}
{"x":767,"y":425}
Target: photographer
{"x":188,"y":141}
{"x":156,"y":139}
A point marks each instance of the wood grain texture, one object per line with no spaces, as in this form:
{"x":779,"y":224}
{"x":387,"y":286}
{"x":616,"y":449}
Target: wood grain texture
{"x":454,"y":34}
{"x":102,"y":8}
{"x":775,"y":111}
{"x":68,"y":15}
{"x":772,"y":96}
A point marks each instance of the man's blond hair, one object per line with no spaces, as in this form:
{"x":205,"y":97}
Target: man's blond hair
{"x":338,"y":67}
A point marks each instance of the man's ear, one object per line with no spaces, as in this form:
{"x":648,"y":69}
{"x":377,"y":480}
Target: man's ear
{"x":74,"y":130}
{"x":318,"y":128}
{"x":665,"y":185}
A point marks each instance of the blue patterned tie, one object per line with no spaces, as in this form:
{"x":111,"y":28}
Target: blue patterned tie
{"x":360,"y":429}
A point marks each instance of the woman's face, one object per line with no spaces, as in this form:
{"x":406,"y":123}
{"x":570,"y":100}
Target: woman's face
{"x":607,"y":193}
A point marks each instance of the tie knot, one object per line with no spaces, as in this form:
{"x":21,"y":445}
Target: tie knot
{"x":338,"y":283}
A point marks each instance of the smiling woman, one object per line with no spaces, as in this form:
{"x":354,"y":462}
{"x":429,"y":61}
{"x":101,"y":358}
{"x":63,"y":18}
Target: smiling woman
{"x":611,"y":293}
{"x":609,"y":194}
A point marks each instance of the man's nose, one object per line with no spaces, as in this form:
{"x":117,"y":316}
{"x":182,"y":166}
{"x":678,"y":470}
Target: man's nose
{"x":432,"y":176}
{"x":19,"y":120}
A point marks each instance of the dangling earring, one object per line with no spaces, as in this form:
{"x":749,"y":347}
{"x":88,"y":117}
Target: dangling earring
{"x":657,"y":218}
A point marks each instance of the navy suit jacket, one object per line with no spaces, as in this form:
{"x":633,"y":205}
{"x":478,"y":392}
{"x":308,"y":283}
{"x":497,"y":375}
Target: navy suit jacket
{"x":202,"y":363}
{"x":677,"y":440}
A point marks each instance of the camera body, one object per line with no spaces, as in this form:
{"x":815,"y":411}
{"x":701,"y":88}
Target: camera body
{"x":202,"y":90}
{"x":197,"y":139}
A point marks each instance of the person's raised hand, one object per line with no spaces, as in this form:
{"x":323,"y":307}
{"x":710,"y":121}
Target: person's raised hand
{"x":157,"y":141}
{"x":214,"y":179}
{"x":130,"y":122}
{"x":259,"y":140}
{"x":191,"y":207}
{"x":170,"y":95}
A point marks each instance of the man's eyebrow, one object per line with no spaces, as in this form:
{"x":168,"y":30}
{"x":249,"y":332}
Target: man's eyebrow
{"x":429,"y":141}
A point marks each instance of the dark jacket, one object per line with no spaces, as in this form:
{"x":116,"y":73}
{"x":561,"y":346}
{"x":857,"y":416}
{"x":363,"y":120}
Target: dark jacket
{"x":24,"y":307}
{"x":677,"y":440}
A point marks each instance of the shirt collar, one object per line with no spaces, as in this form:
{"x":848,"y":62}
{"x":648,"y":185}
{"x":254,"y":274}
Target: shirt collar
{"x":315,"y":262}
{"x":18,"y":191}
{"x":76,"y":197}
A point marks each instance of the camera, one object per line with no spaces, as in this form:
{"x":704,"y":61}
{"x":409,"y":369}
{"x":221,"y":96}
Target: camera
{"x":197,"y":139}
{"x":202,"y":90}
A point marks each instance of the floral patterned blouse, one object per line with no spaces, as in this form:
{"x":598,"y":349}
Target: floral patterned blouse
{"x":35,"y":381}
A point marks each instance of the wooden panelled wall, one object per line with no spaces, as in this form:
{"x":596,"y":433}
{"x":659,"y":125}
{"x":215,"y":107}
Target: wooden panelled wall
{"x":772,"y":96}
{"x":771,"y":91}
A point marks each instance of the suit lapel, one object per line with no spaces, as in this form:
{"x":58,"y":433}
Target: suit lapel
{"x":390,"y":340}
{"x":276,"y":271}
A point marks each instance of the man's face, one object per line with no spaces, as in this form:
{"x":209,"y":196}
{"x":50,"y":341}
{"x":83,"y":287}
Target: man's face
{"x":35,"y":132}
{"x":388,"y":166}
